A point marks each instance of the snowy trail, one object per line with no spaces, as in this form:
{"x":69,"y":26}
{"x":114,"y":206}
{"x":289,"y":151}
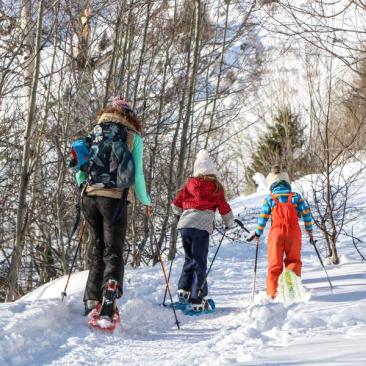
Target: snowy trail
{"x":327,"y":330}
{"x":48,"y":332}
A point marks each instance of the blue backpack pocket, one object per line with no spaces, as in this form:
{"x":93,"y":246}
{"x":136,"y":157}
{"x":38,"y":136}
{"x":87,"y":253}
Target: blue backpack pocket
{"x":80,"y":150}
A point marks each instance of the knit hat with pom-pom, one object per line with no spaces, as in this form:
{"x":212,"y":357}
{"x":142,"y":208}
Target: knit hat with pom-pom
{"x":123,"y":105}
{"x":204,"y":165}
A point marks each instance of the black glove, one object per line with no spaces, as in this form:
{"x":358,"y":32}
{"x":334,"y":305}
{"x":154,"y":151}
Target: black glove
{"x":252,"y":236}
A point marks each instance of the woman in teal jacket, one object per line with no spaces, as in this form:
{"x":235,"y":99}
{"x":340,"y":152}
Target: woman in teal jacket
{"x":100,"y":203}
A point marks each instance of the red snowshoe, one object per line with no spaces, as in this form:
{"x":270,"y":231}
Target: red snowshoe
{"x":106,"y":315}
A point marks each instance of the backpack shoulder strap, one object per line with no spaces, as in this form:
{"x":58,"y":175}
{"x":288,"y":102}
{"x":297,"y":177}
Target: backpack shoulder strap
{"x":289,"y":199}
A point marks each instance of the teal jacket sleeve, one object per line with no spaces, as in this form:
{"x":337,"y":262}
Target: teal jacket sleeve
{"x":140,"y":186}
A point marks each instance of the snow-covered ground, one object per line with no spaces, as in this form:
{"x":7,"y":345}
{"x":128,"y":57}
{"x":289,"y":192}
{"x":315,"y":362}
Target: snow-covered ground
{"x":330,"y":329}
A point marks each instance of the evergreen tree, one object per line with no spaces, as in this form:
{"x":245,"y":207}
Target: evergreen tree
{"x":280,"y":145}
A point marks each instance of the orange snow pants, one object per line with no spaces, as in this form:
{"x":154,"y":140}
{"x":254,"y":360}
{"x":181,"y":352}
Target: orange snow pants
{"x":284,"y":241}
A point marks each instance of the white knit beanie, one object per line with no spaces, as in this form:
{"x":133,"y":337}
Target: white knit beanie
{"x":204,"y":165}
{"x":276,"y":176}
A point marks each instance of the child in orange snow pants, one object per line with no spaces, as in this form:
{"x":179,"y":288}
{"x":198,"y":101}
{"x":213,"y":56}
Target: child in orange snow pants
{"x":284,"y":239}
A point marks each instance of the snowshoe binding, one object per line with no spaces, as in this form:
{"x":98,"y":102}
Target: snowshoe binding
{"x":207,"y":306}
{"x":183,"y":296}
{"x":106,"y":315}
{"x":183,"y":300}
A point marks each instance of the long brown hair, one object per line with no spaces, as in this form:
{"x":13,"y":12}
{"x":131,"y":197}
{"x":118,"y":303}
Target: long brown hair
{"x":212,"y":178}
{"x":131,"y":118}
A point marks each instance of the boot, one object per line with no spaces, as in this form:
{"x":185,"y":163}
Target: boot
{"x":90,"y":305}
{"x":110,"y":294}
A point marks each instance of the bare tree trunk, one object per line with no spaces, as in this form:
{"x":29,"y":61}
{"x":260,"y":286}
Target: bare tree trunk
{"x":131,"y":32}
{"x":24,"y":173}
{"x":190,"y":95}
{"x":330,"y":203}
{"x":192,"y":68}
{"x":83,"y":70}
{"x":219,"y":76}
{"x":142,"y":54}
{"x":154,"y":154}
{"x":122,"y":68}
{"x":113,"y":59}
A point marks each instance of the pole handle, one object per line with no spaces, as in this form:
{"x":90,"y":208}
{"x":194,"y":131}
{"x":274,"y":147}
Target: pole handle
{"x":237,"y":221}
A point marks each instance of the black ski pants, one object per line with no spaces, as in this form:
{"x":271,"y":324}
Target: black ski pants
{"x":105,"y":258}
{"x":195,"y":244}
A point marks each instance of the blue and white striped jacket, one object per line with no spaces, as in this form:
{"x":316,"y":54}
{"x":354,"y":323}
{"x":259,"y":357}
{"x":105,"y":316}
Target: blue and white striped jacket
{"x":281,"y":191}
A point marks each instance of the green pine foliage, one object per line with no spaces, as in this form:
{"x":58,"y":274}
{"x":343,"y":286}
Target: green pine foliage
{"x":280,"y":145}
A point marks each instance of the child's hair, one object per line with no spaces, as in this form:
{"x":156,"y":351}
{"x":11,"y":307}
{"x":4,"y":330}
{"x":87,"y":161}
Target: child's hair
{"x":212,"y":178}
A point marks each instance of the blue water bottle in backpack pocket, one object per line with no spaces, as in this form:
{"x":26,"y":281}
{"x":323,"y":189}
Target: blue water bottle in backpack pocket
{"x":80,"y":150}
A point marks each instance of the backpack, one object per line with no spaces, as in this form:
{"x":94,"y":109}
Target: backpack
{"x":110,"y":164}
{"x":103,"y":158}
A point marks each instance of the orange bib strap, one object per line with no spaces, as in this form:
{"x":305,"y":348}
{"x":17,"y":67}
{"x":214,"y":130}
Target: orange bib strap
{"x":275,"y":199}
{"x":289,"y":200}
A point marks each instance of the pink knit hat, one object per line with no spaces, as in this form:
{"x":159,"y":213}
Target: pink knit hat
{"x":123,"y":105}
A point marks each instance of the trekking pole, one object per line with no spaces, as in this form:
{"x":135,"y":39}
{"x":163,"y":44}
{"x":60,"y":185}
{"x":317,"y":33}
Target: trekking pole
{"x":241,"y":225}
{"x":169,"y":292}
{"x":165,"y":276}
{"x":200,"y":290}
{"x":78,"y":213}
{"x":255,"y":268}
{"x":170,"y":271}
{"x":63,"y":293}
{"x":312,"y":241}
{"x":166,"y":287}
